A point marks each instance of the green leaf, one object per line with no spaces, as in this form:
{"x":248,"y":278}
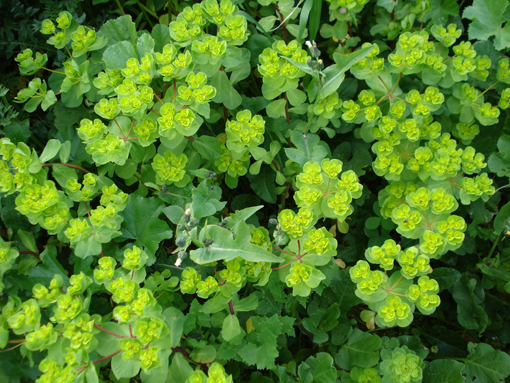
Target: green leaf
{"x":208,"y":147}
{"x":124,"y":368}
{"x":446,"y":277}
{"x":51,"y":149}
{"x":115,"y":57}
{"x":276,"y":109}
{"x":486,"y":364}
{"x":318,"y":369}
{"x":161,"y":35}
{"x":249,"y":303}
{"x":335,"y":74}
{"x":501,"y":220}
{"x":470,"y":313}
{"x":307,"y":148}
{"x":205,"y":354}
{"x":174,"y":320}
{"x":206,"y":200}
{"x":120,"y":29}
{"x":443,"y":371}
{"x":28,"y":240}
{"x":225,"y":92}
{"x":142,"y":224}
{"x":487,"y":18}
{"x":263,"y":184}
{"x":225,"y":247}
{"x":360,"y":351}
{"x":179,"y":369}
{"x":449,"y":343}
{"x":145,"y":45}
{"x":49,"y":267}
{"x":231,"y":328}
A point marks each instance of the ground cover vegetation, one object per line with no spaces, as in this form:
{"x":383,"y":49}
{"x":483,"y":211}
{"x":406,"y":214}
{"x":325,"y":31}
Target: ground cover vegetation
{"x":255,"y":191}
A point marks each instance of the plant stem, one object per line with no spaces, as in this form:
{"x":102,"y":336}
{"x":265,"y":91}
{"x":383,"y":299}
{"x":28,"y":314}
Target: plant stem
{"x":67,"y":165}
{"x":494,"y":245}
{"x":106,"y":357}
{"x":109,"y":332}
{"x":38,"y":256}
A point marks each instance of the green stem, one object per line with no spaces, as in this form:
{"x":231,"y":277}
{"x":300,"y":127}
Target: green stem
{"x":120,"y":8}
{"x":494,"y":245}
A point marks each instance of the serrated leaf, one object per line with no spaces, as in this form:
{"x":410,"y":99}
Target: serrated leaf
{"x":318,"y":369}
{"x":486,"y":364}
{"x":443,"y":371}
{"x":116,"y":56}
{"x":487,"y":18}
{"x":225,"y":247}
{"x":121,"y":29}
{"x":360,"y":351}
{"x":142,"y":224}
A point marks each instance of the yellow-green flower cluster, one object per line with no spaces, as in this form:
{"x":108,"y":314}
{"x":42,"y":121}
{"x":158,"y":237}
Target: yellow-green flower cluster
{"x":169,"y":168}
{"x":197,"y":92}
{"x":303,"y":278}
{"x":53,"y":372}
{"x":7,"y":257}
{"x":280,"y":75}
{"x":81,"y":331}
{"x":104,"y":272}
{"x":424,"y":295}
{"x":173,"y":64}
{"x":394,"y":312}
{"x":245,"y":131}
{"x":189,"y":280}
{"x":134,"y":259}
{"x":385,"y":255}
{"x":67,"y":308}
{"x":321,"y":190}
{"x":401,"y":365}
{"x":413,"y":263}
{"x":446,"y":36}
{"x":234,"y":165}
{"x":296,"y":225}
{"x":84,"y":191}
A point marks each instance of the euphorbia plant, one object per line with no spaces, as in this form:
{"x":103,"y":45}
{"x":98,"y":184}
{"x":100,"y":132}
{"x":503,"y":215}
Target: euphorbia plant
{"x":161,"y":261}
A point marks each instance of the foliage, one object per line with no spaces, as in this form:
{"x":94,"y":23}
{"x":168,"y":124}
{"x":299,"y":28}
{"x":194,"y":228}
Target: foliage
{"x":249,"y":190}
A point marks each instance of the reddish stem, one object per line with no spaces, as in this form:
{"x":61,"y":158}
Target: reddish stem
{"x":31,"y":253}
{"x":109,"y":332}
{"x":106,"y":357}
{"x":66,"y":165}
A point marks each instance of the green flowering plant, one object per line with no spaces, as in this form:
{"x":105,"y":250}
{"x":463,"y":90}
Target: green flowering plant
{"x":259,"y":191}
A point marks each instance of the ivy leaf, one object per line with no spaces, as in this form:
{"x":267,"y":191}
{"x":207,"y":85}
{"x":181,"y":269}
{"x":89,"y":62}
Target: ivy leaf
{"x":225,"y":247}
{"x":443,"y":371}
{"x":488,"y":17}
{"x":206,"y":200}
{"x":142,"y":224}
{"x":360,"y":351}
{"x":318,"y":369}
{"x":486,"y":364}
